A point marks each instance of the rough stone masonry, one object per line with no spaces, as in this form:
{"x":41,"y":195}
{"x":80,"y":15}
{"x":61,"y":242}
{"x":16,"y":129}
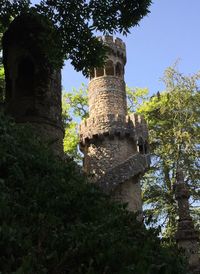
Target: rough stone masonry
{"x":115,"y":145}
{"x":33,"y":87}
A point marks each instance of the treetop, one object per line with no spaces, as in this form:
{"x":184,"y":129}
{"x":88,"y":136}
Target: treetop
{"x":77,"y":21}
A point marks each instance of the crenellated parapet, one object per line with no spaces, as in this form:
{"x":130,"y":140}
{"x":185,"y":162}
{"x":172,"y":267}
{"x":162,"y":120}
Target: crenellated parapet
{"x":116,"y":46}
{"x":113,"y":42}
{"x":111,"y":125}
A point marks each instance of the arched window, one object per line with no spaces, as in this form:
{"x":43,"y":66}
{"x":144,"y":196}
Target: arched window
{"x":140,"y":145}
{"x":109,"y":68}
{"x":118,"y":69}
{"x":25,"y":77}
{"x":99,"y":72}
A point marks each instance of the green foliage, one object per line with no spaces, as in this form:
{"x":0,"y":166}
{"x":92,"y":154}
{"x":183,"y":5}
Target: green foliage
{"x":37,"y":31}
{"x":52,"y":221}
{"x":76,"y":102}
{"x":173,"y":117}
{"x":135,"y":97}
{"x":74,"y":109}
{"x":75,"y":23}
{"x":10,"y":9}
{"x":71,"y":141}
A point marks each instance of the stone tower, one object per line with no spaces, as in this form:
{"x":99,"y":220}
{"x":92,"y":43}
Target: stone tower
{"x":115,"y":145}
{"x":33,"y":87}
{"x":186,"y":236}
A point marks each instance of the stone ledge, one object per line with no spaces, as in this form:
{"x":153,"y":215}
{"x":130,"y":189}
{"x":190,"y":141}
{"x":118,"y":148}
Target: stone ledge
{"x":134,"y":166}
{"x":132,"y":126}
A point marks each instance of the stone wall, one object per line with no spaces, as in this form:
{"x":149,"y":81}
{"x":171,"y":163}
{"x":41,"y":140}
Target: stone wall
{"x":129,"y":126}
{"x":130,"y":193}
{"x":105,"y":154}
{"x":107,"y":95}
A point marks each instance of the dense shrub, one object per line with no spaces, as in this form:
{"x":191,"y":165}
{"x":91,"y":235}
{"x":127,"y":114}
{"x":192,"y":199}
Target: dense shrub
{"x":52,"y":221}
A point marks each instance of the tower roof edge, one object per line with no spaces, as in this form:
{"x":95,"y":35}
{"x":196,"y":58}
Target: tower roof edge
{"x":113,"y":41}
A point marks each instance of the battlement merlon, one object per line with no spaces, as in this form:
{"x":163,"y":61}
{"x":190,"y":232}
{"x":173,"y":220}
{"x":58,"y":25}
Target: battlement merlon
{"x":133,"y":126}
{"x":117,"y":46}
{"x":110,"y":40}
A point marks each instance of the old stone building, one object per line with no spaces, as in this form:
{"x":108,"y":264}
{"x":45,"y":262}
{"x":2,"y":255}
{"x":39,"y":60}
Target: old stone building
{"x":186,"y":236}
{"x":115,"y":144}
{"x":33,"y":87}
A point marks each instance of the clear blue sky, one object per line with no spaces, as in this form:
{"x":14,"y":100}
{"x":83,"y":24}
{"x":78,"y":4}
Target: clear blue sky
{"x":170,"y":32}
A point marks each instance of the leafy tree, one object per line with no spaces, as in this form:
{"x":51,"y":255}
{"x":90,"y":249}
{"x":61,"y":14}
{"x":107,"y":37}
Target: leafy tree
{"x":71,"y":141}
{"x":75,"y":23}
{"x":52,"y":221}
{"x":136,"y":97}
{"x":74,"y":109}
{"x":75,"y":103}
{"x":173,"y":117}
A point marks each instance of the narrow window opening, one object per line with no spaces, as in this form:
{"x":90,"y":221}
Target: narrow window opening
{"x":99,"y":72}
{"x":140,"y":145}
{"x":118,"y":69}
{"x":109,"y":68}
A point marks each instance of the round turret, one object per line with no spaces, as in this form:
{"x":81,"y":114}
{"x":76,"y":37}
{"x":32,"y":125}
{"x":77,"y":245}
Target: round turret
{"x":33,"y":86}
{"x":115,"y":145}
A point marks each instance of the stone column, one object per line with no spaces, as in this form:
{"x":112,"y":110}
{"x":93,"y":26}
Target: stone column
{"x":33,"y":86}
{"x":186,"y":236}
{"x":115,"y":145}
